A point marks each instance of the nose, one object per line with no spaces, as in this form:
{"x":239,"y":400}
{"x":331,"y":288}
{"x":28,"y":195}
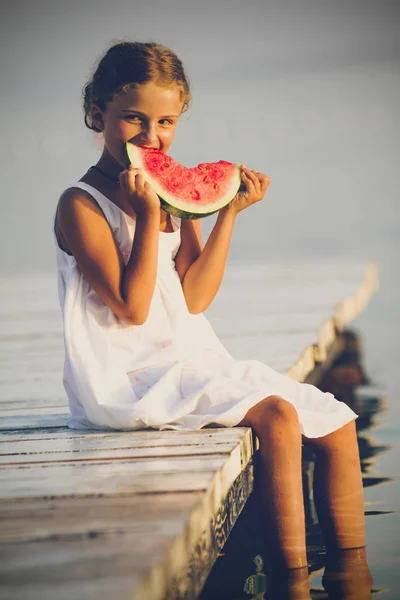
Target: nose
{"x":148,"y":134}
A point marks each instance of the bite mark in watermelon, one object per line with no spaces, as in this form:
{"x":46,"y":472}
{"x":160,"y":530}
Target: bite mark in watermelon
{"x":189,"y":193}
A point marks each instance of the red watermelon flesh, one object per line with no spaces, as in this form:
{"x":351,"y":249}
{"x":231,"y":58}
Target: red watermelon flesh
{"x":189,"y":193}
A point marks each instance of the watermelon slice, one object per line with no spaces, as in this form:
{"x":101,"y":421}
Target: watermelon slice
{"x":189,"y":193}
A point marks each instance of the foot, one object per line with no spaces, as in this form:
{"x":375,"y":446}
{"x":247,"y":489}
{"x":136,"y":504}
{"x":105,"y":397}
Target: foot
{"x":292,"y":584}
{"x":347,"y":576}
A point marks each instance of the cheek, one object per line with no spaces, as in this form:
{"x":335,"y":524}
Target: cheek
{"x":167,"y":137}
{"x":121,"y":131}
{"x":117,"y":128}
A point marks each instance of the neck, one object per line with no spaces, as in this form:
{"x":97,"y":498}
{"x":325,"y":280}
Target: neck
{"x":108,"y":164}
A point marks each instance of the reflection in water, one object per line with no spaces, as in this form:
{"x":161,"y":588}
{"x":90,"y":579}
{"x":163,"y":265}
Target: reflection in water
{"x":233,"y":576}
{"x":256,"y":585}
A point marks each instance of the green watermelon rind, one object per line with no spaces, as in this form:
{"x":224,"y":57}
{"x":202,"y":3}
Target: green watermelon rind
{"x":184,"y":214}
{"x":171,"y":204}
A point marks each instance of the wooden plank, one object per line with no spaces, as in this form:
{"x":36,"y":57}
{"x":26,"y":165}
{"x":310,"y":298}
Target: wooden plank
{"x":347,"y":310}
{"x":33,"y":421}
{"x":316,"y":375}
{"x":143,"y":437}
{"x":82,"y":558}
{"x":109,"y":478}
{"x":117,"y":454}
{"x":155,"y":570}
{"x":46,"y":520}
{"x":357,"y":300}
{"x":183,"y":574}
{"x":342,"y":312}
{"x":31,"y":347}
{"x":326,"y":334}
{"x":205,"y":530}
{"x":45,"y":390}
{"x":303,"y":365}
{"x":302,"y":272}
{"x":111,"y":448}
{"x":79,"y":441}
{"x":266,"y":323}
{"x":266,"y":349}
{"x":28,"y":412}
{"x":294,"y":295}
{"x":47,"y":325}
{"x":83,"y":478}
{"x":32,"y":403}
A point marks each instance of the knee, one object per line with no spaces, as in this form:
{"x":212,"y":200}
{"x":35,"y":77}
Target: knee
{"x":276,"y":417}
{"x":340,"y":441}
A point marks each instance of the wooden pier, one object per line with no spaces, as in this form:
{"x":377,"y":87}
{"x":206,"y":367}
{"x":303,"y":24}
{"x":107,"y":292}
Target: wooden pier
{"x":143,"y":515}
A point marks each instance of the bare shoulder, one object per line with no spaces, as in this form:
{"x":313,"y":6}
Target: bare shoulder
{"x":77,"y":211}
{"x":74,"y":200}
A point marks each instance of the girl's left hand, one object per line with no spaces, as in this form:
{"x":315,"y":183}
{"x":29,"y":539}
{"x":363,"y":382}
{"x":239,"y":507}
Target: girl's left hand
{"x":255,"y":185}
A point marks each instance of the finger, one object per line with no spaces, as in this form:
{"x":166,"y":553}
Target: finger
{"x":129,"y":169}
{"x":257,"y":182}
{"x":254,"y":179}
{"x":265,"y":181}
{"x":261,"y":176}
{"x":135,"y":171}
{"x":131,"y":177}
{"x":248,"y":182}
{"x":139,"y":180}
{"x":147,"y":186}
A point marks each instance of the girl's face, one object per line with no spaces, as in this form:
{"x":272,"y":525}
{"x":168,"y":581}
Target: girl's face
{"x":146,"y":116}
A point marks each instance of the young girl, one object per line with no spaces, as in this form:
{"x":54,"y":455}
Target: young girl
{"x":133,"y":284}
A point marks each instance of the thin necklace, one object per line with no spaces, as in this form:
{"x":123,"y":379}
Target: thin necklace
{"x":106,"y":175}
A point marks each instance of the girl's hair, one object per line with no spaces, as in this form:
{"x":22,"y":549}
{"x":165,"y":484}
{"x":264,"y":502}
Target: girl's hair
{"x":128,"y":64}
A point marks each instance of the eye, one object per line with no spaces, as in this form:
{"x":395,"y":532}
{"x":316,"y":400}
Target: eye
{"x":132,"y":118}
{"x":166,"y":122}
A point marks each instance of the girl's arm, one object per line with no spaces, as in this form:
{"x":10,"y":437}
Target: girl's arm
{"x":191,"y":246}
{"x":204,"y":276}
{"x":127,"y":290}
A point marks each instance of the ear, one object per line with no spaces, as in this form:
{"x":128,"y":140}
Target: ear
{"x":96,"y":116}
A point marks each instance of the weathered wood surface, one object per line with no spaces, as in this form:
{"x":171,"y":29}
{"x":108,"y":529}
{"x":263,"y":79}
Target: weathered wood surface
{"x":155,"y":524}
{"x":143,"y":514}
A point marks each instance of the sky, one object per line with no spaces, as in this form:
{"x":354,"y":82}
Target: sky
{"x":305,"y":91}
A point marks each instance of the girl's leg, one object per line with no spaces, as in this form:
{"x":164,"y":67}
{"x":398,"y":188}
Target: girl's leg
{"x":347,"y":575}
{"x":276,"y":424}
{"x":338,"y":491}
{"x":339,"y":501}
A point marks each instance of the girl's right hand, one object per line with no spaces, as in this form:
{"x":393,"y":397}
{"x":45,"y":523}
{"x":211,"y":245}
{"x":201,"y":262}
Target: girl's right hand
{"x":138,"y":193}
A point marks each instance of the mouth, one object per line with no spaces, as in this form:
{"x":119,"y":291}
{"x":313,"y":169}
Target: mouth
{"x":146,"y":147}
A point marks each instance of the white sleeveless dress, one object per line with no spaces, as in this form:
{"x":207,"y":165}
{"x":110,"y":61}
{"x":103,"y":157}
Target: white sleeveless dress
{"x":172,"y":372}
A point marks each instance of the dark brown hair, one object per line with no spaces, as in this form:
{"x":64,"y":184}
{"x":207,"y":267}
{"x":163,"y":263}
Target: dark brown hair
{"x":127,"y":64}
